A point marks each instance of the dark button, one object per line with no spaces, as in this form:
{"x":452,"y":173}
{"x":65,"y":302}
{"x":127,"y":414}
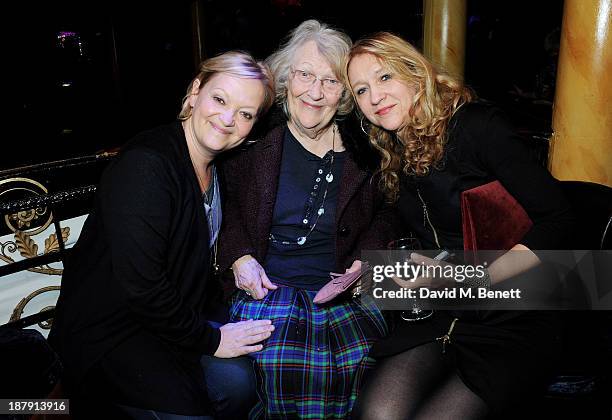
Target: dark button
{"x":344,"y":231}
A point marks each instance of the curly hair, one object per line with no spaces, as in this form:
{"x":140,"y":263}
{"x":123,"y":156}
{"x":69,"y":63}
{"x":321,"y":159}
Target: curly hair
{"x":419,"y":145}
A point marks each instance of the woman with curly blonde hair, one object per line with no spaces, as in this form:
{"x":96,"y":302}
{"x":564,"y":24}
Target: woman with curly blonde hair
{"x":417,"y":146}
{"x":436,"y":142}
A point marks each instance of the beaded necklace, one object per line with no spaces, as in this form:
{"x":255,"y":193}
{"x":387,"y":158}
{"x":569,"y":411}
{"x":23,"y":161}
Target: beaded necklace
{"x":301,"y":240}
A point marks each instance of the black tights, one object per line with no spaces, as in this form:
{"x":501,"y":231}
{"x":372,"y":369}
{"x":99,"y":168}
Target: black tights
{"x":417,"y":384}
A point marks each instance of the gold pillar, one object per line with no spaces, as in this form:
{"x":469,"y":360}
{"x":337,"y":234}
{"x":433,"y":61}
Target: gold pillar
{"x":444,"y":26}
{"x":197,"y":31}
{"x":581,"y":144}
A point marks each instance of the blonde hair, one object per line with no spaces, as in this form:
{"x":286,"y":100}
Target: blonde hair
{"x":334,"y":45}
{"x":234,"y":63}
{"x":419,"y":145}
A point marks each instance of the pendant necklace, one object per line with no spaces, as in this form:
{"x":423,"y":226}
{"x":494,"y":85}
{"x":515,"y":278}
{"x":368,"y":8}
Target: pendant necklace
{"x":329,"y":177}
{"x":210,"y":206}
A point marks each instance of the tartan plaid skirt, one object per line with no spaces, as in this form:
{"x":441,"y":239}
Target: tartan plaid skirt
{"x":313,"y":364}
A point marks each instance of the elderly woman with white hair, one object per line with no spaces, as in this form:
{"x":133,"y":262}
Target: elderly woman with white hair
{"x":301,"y":204}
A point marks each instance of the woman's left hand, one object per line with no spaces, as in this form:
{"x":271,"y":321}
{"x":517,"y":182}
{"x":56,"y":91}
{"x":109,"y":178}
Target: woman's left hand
{"x":428,"y":278}
{"x":251,"y":277}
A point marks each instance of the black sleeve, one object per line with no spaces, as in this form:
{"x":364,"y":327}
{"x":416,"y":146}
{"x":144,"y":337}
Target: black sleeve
{"x":504,"y":154}
{"x":138,"y":205}
{"x":233,"y":240}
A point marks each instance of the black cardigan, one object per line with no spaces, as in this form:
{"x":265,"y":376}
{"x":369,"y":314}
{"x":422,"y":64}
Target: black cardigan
{"x":134,"y":290}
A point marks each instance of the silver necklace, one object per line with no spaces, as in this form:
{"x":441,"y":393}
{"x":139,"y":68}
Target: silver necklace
{"x":426,"y":218}
{"x":212,"y":208}
{"x":211,"y":188}
{"x":329,"y":177}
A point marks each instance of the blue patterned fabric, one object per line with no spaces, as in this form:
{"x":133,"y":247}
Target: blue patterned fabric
{"x":213,"y":209}
{"x":313,"y":364}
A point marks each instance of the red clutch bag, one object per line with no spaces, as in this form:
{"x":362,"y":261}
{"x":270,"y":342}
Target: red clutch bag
{"x":339,"y":284}
{"x":492,"y":219}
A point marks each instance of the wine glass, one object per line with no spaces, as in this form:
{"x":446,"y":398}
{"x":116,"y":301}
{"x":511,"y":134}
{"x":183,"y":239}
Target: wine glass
{"x":409,"y":243}
{"x":416,"y":313}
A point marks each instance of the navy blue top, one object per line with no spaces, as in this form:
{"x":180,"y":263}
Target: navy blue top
{"x":301,"y":193}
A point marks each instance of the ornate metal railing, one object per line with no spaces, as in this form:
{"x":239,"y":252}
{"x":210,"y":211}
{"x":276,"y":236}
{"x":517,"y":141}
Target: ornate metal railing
{"x":28,"y":208}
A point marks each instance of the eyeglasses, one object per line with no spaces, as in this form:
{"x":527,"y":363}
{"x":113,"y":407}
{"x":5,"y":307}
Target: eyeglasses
{"x":307,"y":79}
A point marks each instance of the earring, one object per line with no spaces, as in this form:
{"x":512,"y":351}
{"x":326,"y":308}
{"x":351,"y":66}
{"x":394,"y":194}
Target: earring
{"x":362,"y":128}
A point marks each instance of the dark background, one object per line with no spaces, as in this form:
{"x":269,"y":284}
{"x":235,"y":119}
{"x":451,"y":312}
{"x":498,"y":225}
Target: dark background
{"x":92,"y":74}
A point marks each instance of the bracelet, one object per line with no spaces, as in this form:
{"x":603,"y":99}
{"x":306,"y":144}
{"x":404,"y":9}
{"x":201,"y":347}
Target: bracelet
{"x":475,"y":282}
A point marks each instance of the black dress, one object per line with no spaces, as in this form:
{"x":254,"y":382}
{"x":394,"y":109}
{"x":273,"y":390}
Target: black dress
{"x":500,"y":355}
